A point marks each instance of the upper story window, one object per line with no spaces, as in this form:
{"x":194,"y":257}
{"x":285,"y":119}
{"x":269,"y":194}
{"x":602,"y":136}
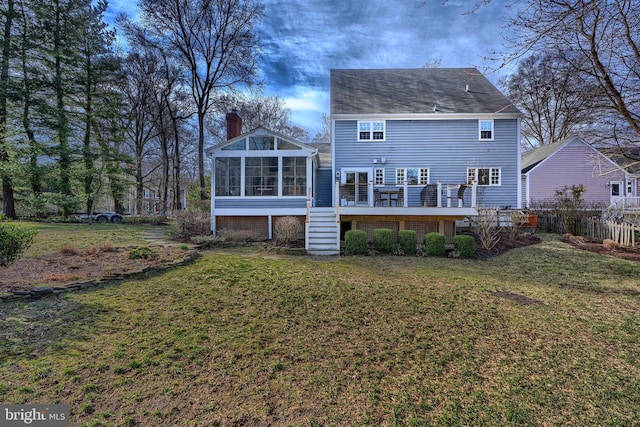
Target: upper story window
{"x":371,"y":130}
{"x":413,"y":176}
{"x":483,"y":176}
{"x":485,"y":130}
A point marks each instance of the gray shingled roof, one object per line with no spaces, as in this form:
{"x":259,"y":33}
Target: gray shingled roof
{"x":415,"y":91}
{"x":531,"y":158}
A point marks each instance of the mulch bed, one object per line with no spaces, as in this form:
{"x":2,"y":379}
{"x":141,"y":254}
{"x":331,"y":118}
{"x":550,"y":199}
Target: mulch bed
{"x":56,"y":269}
{"x":624,"y":252}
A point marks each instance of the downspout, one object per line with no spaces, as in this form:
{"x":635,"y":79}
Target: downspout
{"x":212,"y":219}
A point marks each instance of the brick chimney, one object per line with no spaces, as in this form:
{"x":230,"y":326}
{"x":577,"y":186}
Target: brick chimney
{"x":234,"y":124}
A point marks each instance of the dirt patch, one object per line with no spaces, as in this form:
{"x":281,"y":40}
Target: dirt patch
{"x":507,"y":242}
{"x":624,"y":252}
{"x":57,"y":269}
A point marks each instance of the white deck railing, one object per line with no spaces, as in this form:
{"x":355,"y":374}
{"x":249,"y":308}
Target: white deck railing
{"x":446,"y":195}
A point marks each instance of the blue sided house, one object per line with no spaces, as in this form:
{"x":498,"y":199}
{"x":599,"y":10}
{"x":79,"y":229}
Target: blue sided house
{"x":411,"y":149}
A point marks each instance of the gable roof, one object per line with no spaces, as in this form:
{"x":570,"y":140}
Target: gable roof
{"x":416,"y":91}
{"x":260,"y":131}
{"x":533,"y":158}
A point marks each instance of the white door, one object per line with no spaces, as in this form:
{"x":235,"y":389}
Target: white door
{"x":616,"y":191}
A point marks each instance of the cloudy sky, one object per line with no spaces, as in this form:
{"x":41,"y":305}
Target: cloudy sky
{"x":303,"y":39}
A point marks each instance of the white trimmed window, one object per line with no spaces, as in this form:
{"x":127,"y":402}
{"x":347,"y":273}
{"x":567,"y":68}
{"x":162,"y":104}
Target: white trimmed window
{"x":413,"y":176}
{"x":483,"y":176}
{"x":485,"y":130}
{"x":379,"y":176}
{"x":371,"y":131}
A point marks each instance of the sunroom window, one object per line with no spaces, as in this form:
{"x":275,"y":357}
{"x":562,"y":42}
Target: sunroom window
{"x":294,"y":176}
{"x":261,"y":176}
{"x":228,"y":171}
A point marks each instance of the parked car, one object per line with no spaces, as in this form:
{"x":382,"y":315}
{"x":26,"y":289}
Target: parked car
{"x":104,"y":217}
{"x":108,"y":217}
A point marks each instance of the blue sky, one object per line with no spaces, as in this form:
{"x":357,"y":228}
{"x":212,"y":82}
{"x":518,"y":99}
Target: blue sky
{"x":304,"y":39}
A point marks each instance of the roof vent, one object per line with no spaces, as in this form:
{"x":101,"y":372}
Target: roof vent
{"x":466,"y":89}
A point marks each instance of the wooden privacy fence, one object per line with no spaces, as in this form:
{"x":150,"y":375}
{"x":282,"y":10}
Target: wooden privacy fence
{"x":595,"y":227}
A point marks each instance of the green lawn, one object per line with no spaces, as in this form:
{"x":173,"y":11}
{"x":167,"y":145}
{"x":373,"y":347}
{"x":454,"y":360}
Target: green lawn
{"x":51,"y":237}
{"x":545,"y":335}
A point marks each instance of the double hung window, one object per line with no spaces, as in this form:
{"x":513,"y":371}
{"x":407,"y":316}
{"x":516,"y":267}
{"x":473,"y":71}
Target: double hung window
{"x":485,"y":130}
{"x":371,"y":131}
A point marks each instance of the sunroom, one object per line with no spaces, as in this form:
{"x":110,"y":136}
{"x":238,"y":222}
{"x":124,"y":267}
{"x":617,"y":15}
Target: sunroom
{"x":258,"y":177}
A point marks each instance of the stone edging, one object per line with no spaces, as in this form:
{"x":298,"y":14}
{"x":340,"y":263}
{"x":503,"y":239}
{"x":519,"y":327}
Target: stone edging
{"x":34,"y":293}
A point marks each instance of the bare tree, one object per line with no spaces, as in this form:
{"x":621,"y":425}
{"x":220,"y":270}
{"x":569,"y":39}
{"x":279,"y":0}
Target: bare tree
{"x":602,"y":43}
{"x":268,"y":112}
{"x":554,"y":103}
{"x":324,"y":136}
{"x":140,"y":71}
{"x":214,"y":41}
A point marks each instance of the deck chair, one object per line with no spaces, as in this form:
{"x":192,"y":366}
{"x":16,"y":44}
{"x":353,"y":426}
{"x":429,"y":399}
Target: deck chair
{"x":429,"y":195}
{"x":398,"y":199}
{"x":377,"y":198}
{"x":460,"y":196}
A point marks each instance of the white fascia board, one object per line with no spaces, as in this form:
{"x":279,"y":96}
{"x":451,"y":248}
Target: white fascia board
{"x":260,"y":212}
{"x":427,"y":116}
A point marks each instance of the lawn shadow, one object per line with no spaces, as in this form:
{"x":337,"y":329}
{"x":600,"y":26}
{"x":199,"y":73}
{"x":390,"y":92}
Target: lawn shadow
{"x":31,"y":328}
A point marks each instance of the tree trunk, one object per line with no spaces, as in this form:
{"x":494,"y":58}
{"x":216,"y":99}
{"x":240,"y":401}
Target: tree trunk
{"x":203,"y":190}
{"x":8,"y":204}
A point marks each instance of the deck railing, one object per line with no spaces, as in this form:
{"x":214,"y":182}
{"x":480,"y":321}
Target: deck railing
{"x":627,"y":203}
{"x":408,"y":196}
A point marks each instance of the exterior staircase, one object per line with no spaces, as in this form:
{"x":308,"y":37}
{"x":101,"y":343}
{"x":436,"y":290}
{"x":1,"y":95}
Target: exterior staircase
{"x":323,"y":232}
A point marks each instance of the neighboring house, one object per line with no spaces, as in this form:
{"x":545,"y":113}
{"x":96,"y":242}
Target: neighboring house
{"x":260,"y":176}
{"x":573,"y":162}
{"x":413,"y":149}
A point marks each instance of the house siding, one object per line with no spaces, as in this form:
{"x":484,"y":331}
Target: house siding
{"x":324,"y":187}
{"x":262,"y":205}
{"x":574,"y":164}
{"x":446,"y":147}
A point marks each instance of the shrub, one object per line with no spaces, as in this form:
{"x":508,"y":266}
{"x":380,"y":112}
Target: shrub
{"x":100,"y":248}
{"x":408,"y":240}
{"x":231,"y":235}
{"x":193,"y":222}
{"x":486,"y":227}
{"x":383,"y":240}
{"x":288,"y":229}
{"x":14,"y":239}
{"x":144,"y":252}
{"x":465,"y":245}
{"x":434,"y":243}
{"x":68,"y":250}
{"x":355,"y":242}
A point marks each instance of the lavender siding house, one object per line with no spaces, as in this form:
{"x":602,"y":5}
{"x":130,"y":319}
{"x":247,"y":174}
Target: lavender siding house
{"x":573,"y":162}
